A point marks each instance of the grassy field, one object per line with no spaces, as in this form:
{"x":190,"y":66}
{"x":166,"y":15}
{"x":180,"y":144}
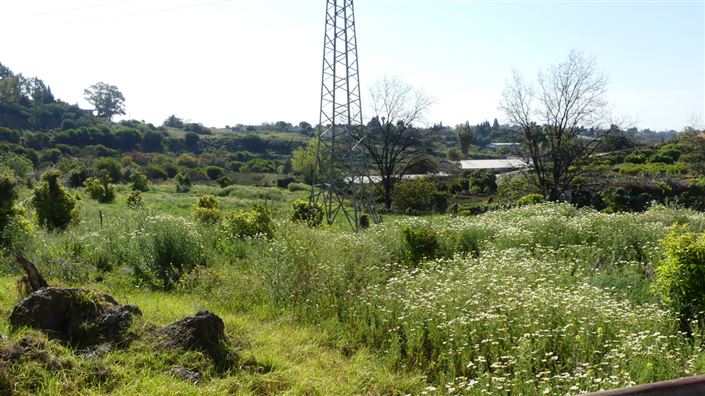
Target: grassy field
{"x":544,"y":299}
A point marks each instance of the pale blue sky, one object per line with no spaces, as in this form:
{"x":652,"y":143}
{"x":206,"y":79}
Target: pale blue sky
{"x":247,"y":61}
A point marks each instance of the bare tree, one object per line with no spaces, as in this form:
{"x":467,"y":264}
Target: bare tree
{"x":570,"y":100}
{"x":393,"y":141}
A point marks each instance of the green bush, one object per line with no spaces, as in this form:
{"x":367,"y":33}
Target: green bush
{"x":680,"y":277}
{"x":414,"y":196}
{"x":139,"y":182}
{"x":302,"y":212}
{"x":667,"y":154}
{"x":100,"y":190}
{"x":183,"y":183}
{"x":224,"y":181}
{"x":8,"y":196}
{"x":206,"y":210}
{"x":245,"y":225}
{"x":215,"y":172}
{"x":418,"y":243}
{"x":512,"y":188}
{"x":77,"y":177}
{"x":530,"y":199}
{"x":293,"y":187}
{"x":156,"y":172}
{"x":364,"y":222}
{"x":111,"y":167}
{"x":164,"y":250}
{"x":134,"y":200}
{"x":483,"y":181}
{"x":55,"y":207}
{"x":18,"y":164}
{"x":15,"y":230}
{"x":439,"y":200}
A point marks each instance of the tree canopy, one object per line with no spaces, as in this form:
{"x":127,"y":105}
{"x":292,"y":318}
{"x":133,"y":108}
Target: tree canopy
{"x":107,"y":100}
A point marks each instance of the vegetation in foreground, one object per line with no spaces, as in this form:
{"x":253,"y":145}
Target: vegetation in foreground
{"x":541,"y":299}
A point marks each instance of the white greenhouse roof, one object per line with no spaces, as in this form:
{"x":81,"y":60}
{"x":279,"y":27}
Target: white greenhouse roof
{"x":511,"y":163}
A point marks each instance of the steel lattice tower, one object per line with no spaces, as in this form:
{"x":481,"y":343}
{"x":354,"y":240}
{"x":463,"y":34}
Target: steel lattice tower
{"x":342,"y":180}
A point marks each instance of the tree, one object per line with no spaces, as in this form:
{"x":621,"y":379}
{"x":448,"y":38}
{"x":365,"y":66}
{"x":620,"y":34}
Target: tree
{"x":495,"y":125}
{"x":305,"y":126}
{"x":173,"y":122}
{"x":465,"y":136}
{"x":107,"y":99}
{"x":303,"y":161}
{"x":570,"y":96}
{"x":392,"y":141}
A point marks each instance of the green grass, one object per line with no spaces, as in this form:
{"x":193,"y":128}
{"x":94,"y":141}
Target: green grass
{"x":533,"y":300}
{"x":299,"y":357}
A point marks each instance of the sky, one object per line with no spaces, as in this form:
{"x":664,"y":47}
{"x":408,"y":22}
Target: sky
{"x":224,"y":62}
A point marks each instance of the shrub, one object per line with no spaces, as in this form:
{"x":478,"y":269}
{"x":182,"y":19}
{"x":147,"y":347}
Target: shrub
{"x":512,"y":188}
{"x":50,"y":156}
{"x":483,"y":181}
{"x":165,"y":249}
{"x":215,"y":172}
{"x":530,"y":199}
{"x":224,"y":182}
{"x":77,"y":177}
{"x":364,"y":222}
{"x":134,"y":200}
{"x":302,"y":212}
{"x":206,"y":209}
{"x":187,"y":161}
{"x":667,"y":154}
{"x":100,"y":190}
{"x":8,"y":196}
{"x":635,"y":158}
{"x":111,"y":167}
{"x":55,"y":207}
{"x":414,"y":196}
{"x":680,"y":277}
{"x":156,"y":172}
{"x":18,"y":164}
{"x":419,"y":242}
{"x":285,"y":181}
{"x":440,"y":201}
{"x":183,"y":183}
{"x":139,"y":182}
{"x":243,"y":225}
{"x":293,"y":187}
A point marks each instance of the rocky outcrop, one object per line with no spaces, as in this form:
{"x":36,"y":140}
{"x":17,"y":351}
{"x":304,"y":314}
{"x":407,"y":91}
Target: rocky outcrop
{"x":80,"y":317}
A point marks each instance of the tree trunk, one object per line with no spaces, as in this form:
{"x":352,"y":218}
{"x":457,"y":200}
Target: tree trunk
{"x":388,"y":194}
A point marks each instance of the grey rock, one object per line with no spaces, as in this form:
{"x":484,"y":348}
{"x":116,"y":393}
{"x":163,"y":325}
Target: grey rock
{"x":185,"y":374}
{"x":204,"y":332}
{"x":80,"y":317}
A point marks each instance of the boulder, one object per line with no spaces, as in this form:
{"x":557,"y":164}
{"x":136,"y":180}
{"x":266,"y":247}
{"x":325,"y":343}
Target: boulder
{"x":203,"y":332}
{"x":80,"y":317}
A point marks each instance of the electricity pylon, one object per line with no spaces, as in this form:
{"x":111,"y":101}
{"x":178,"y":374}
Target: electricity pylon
{"x":342,"y":183}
